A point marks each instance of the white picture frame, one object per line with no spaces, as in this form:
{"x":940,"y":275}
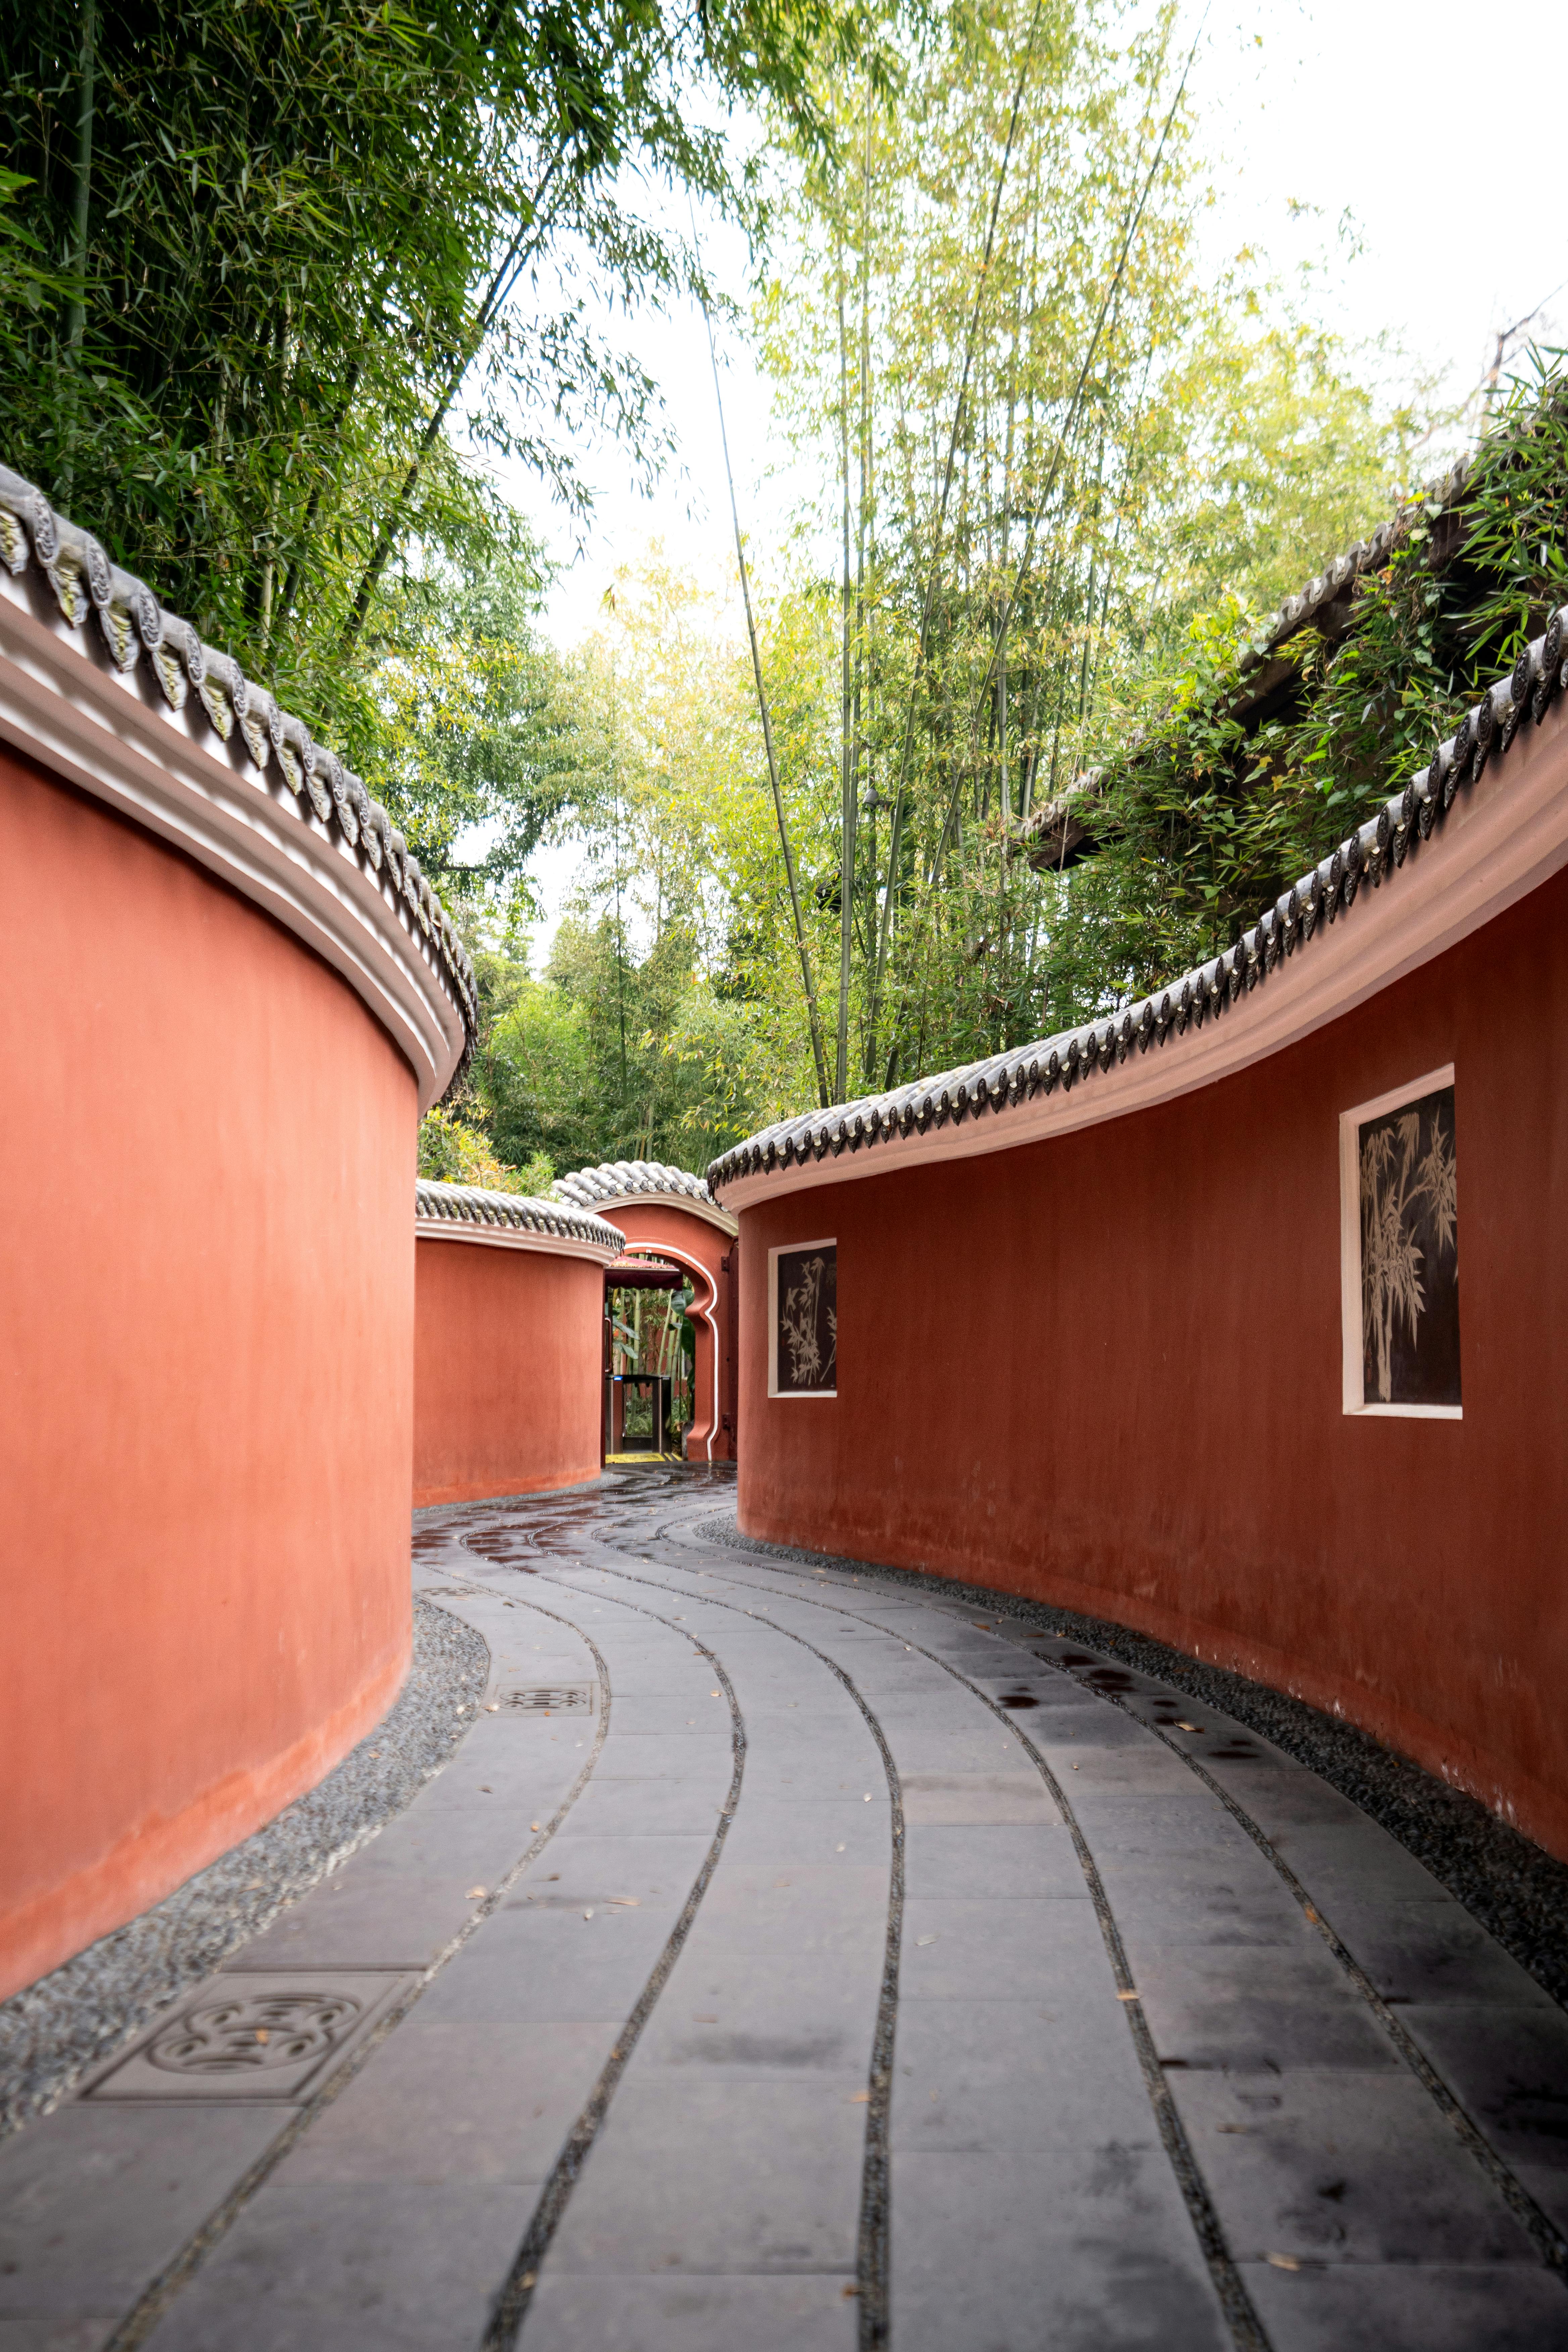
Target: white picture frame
{"x":1354,"y":1397}
{"x":794,"y":1249}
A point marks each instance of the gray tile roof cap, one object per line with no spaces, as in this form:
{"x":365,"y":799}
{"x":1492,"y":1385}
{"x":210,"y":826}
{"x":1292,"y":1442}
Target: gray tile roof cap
{"x":1369,"y":856}
{"x":136,"y":627}
{"x":472,"y":1205}
{"x":618,"y":1179}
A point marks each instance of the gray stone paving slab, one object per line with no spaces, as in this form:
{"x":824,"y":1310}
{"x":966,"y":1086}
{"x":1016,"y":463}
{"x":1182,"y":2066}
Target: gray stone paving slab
{"x":940,"y":1746}
{"x":1047,"y":2078}
{"x":1347,"y":1861}
{"x":780,"y":2314}
{"x":398,"y":1920}
{"x":789,"y":1830}
{"x":1400,"y":2308}
{"x":479,"y":1841}
{"x":373,"y":2268}
{"x":993,"y":1858}
{"x":755,"y":2017}
{"x":1034,"y":2202}
{"x":656,"y":1870}
{"x":975,"y":1800}
{"x":996,"y":2254}
{"x":455,"y":2103}
{"x":93,"y":2199}
{"x":1284,"y":1796}
{"x":1509,"y":2066}
{"x":1137,"y":1765}
{"x":650,"y":1808}
{"x":692,"y":2173}
{"x":541,"y":1967}
{"x":813,"y":1911}
{"x":79,"y":2335}
{"x":1010,"y":1948}
{"x":1310,"y":2165}
{"x":704,"y":1753}
{"x":1251,"y":2010}
{"x":1434,"y":1952}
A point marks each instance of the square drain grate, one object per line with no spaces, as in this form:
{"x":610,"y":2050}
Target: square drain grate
{"x":251,"y":2036}
{"x":558,"y":1698}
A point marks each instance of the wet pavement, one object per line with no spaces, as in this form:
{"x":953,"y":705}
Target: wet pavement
{"x":797,"y":1959}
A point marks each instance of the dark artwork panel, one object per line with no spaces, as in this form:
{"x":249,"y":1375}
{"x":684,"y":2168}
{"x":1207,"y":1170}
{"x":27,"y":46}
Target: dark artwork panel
{"x":807,"y":1337}
{"x":1410,"y":1254}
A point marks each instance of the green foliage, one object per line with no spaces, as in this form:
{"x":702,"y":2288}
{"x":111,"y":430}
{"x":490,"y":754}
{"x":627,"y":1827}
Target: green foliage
{"x":453,"y":1151}
{"x":1203,"y":824}
{"x":293,"y":241}
{"x":610,"y":1058}
{"x":1045,"y":465}
{"x":463,"y":733}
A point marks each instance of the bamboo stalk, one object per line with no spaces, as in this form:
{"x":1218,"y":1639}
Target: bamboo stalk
{"x":895,"y":830}
{"x":813,"y":1012}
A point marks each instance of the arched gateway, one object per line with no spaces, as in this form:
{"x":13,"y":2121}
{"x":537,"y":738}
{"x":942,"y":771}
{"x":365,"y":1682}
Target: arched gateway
{"x":668,"y":1214}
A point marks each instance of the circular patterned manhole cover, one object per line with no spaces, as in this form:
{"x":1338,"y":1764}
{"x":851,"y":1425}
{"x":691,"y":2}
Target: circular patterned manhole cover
{"x":254,"y":2033}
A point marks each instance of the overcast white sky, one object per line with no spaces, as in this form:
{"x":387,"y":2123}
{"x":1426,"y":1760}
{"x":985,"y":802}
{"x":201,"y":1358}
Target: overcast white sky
{"x":1392,"y":112}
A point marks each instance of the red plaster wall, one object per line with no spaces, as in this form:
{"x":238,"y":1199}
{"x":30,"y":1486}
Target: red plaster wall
{"x":508,"y":1370}
{"x":1104,"y":1371}
{"x":661,"y":1223}
{"x":206,"y":1310}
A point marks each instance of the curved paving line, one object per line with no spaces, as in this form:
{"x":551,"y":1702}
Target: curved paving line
{"x":1247,"y":2329}
{"x":1545,"y":2237}
{"x":1548,"y":2241}
{"x":512,"y":2303}
{"x":139,"y":2322}
{"x":872,"y":2270}
{"x":1538,"y":2226}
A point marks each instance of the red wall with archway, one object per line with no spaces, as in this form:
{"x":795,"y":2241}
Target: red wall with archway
{"x":1104,"y":1371}
{"x":658,"y":1224}
{"x":507,"y":1369}
{"x":205,"y":1369}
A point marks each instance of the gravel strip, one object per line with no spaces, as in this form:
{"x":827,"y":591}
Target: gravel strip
{"x":1517,"y":1891}
{"x":51,"y":2031}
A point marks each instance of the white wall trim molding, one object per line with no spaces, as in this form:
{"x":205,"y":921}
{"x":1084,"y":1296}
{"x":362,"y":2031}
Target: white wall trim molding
{"x":686,"y":1203}
{"x":109,"y":734}
{"x":512,"y":1237}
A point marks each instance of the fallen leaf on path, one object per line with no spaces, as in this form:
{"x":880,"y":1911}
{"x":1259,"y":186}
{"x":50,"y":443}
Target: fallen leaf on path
{"x":1285,"y":2261}
{"x":475,"y":1893}
{"x":1126,"y":1996}
{"x":925,"y":1939}
{"x":632,"y":1901}
{"x":1184,"y":1726}
{"x":859,"y":2099}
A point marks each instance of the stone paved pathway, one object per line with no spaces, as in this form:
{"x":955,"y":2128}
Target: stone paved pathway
{"x":800,"y":1962}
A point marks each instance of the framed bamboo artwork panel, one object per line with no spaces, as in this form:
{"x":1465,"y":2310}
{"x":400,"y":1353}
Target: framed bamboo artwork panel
{"x":803,"y":1319}
{"x":1399,"y":1251}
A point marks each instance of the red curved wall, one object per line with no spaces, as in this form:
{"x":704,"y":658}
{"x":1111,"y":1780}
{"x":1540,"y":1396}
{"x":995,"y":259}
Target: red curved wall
{"x":205,"y":1371}
{"x":508,"y":1370}
{"x":659,"y":1223}
{"x":1104,"y":1371}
